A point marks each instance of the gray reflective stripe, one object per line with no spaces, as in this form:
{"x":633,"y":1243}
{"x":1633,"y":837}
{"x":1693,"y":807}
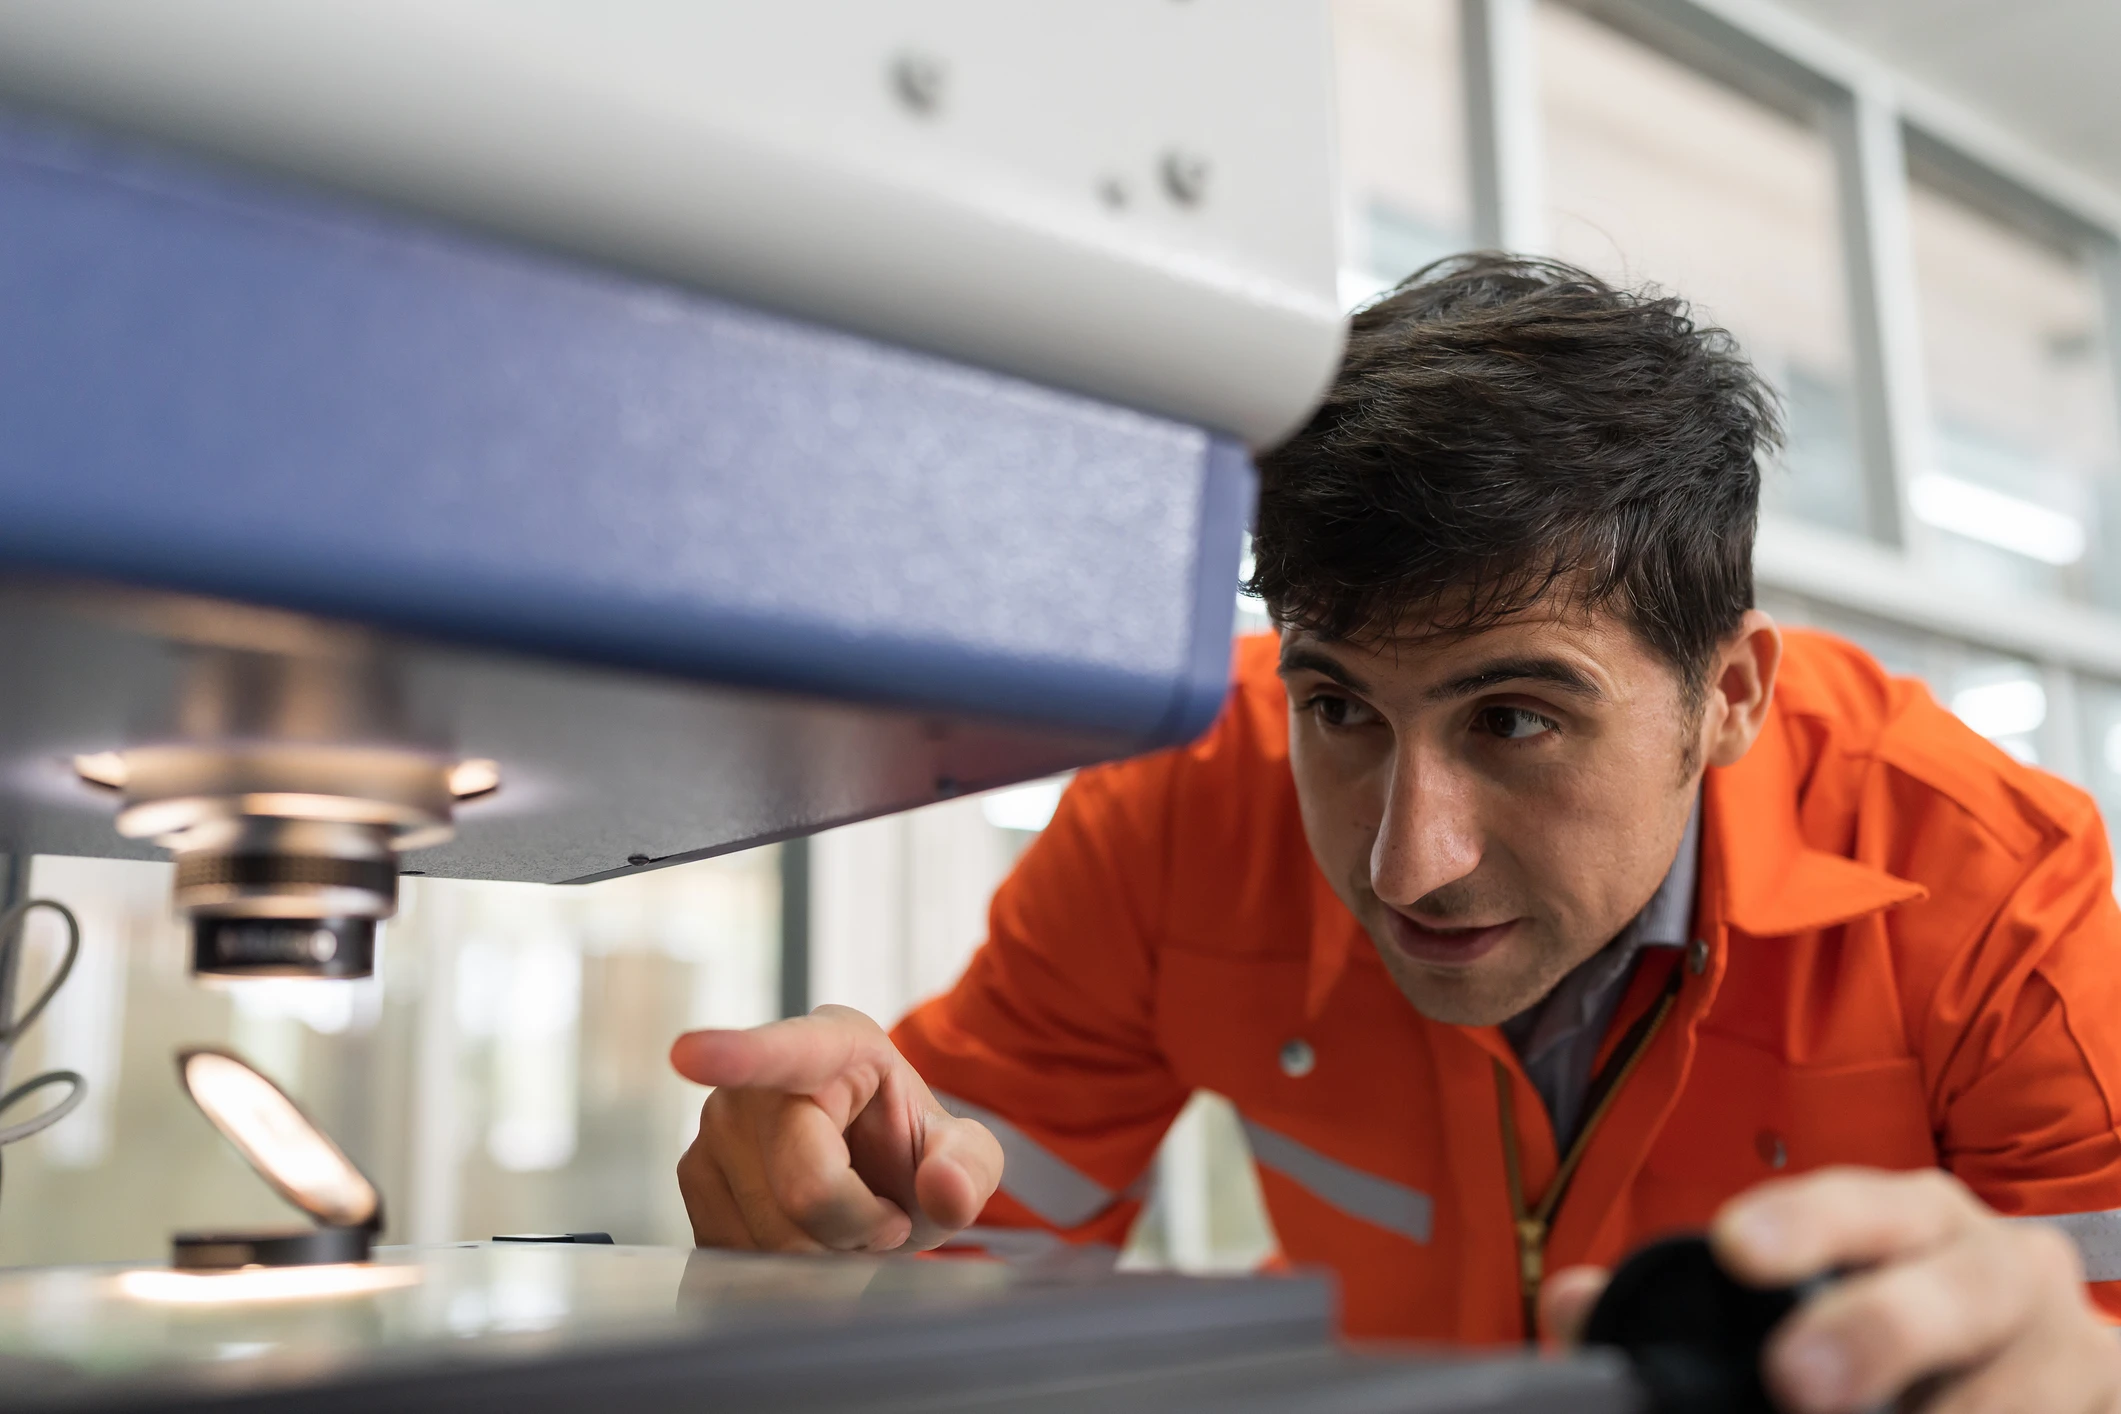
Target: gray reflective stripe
{"x":1034,"y":1175}
{"x":1008,"y":1242}
{"x":1392,"y":1206}
{"x":2097,"y":1235}
{"x":1034,"y":1244}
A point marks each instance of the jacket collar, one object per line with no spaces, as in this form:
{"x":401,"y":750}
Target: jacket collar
{"x":1772,"y":882}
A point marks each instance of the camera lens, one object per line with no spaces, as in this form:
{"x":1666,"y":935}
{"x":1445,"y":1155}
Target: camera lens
{"x":286,"y":851}
{"x":283,"y":947}
{"x":285,"y":898}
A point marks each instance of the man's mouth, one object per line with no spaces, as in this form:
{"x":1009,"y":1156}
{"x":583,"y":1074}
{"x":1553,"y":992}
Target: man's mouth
{"x":1449,"y":947}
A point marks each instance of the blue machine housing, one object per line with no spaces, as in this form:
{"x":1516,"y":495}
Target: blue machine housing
{"x":494,"y":459}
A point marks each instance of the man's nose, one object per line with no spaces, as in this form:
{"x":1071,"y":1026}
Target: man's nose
{"x":1428,"y":837}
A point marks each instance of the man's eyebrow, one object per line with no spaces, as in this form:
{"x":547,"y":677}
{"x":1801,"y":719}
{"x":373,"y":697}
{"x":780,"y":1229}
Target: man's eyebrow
{"x":1296,"y":658}
{"x":1554,"y":672}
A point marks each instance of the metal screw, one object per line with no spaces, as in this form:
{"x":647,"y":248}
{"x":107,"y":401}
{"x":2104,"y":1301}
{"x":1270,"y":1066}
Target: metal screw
{"x":1297,"y":1058}
{"x":918,"y":80}
{"x":1185,"y":176}
{"x":639,"y":859}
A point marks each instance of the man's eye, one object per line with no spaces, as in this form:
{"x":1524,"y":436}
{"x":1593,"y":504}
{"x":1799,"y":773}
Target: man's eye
{"x":1337,"y":711}
{"x":1514,"y":723}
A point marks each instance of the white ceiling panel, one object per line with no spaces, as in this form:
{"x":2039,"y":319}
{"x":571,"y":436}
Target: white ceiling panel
{"x":2048,"y":70}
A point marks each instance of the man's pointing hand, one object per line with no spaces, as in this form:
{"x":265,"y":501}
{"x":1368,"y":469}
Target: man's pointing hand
{"x":820,"y":1137}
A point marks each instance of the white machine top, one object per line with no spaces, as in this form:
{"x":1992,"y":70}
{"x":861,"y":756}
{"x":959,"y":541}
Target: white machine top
{"x":1129,"y":199}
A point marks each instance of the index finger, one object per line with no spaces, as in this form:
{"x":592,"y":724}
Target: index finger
{"x":806,"y":1165}
{"x":799,"y":1056}
{"x":1796,"y":1228}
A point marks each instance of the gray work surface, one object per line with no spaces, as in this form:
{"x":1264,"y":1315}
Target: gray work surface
{"x":528,"y":1327}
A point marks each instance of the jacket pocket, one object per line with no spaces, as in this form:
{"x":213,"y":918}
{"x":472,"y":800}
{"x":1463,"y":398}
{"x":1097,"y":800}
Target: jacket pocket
{"x":1747,"y":1115}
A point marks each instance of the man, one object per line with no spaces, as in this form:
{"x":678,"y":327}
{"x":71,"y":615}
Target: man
{"x":1533,"y":896}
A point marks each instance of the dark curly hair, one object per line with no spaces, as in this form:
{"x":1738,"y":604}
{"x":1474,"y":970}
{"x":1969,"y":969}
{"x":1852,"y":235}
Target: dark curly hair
{"x":1503,"y":427}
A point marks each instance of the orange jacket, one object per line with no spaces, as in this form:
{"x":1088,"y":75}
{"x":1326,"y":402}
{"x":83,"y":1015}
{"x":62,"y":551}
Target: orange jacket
{"x":1912,"y":957}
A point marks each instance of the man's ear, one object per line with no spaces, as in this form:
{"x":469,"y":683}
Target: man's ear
{"x":1741,"y":685}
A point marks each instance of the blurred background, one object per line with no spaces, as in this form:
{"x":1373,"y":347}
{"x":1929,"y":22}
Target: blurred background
{"x":1904,"y":209}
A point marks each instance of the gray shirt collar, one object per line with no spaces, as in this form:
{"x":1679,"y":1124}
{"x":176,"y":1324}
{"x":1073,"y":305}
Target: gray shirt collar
{"x":1557,"y":1038}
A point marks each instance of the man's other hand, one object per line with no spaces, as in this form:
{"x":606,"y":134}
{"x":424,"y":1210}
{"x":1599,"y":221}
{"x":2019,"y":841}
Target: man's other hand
{"x":1939,"y":1287}
{"x":820,"y":1137}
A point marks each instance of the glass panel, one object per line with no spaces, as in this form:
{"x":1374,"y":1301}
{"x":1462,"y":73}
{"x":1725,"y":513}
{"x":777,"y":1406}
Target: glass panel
{"x":2022,"y":493}
{"x":2002,"y":697}
{"x":2100,"y":704}
{"x":1251,"y":612}
{"x":1402,"y":140}
{"x":1786,"y":609}
{"x":503,"y":1072}
{"x":1656,"y":173}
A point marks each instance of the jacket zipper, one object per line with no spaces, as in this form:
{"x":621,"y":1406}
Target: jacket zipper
{"x":1534,"y":1222}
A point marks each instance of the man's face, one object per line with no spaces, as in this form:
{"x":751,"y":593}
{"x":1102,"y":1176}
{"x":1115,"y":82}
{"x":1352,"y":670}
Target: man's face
{"x":1493,"y":808}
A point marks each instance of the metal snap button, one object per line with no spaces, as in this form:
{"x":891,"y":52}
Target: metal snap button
{"x":1297,"y":1058}
{"x":1697,"y":956}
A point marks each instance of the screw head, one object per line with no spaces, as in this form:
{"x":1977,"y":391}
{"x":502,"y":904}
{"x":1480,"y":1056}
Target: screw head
{"x":919,"y":81}
{"x":1297,"y":1058}
{"x":1185,"y":176}
{"x":639,"y":859}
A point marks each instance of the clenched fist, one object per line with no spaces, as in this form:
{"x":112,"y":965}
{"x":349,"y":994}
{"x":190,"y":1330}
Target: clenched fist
{"x":1986,"y":1315}
{"x":820,"y":1137}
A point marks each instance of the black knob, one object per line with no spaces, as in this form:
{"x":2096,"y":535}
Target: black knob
{"x":1693,"y":1331}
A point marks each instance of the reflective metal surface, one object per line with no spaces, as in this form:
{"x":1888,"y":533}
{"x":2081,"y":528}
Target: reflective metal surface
{"x":567,"y":1327}
{"x":602,"y":771}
